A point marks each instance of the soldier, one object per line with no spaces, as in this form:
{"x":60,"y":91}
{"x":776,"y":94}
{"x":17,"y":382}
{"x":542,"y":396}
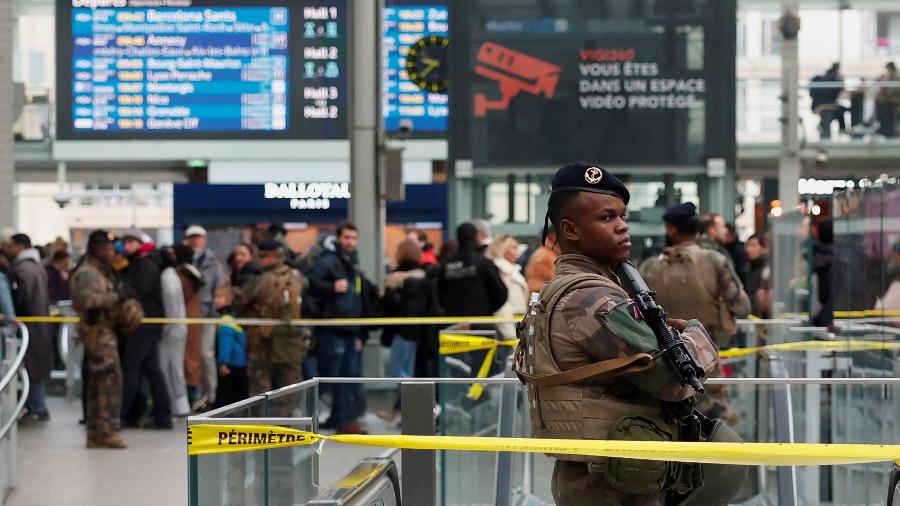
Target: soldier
{"x":95,"y":299}
{"x":690,"y":280}
{"x":274,"y":350}
{"x":584,"y":322}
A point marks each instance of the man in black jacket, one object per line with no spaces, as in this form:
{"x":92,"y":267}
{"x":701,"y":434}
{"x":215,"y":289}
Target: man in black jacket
{"x":140,"y":349}
{"x":468,"y":283}
{"x":336,"y":283}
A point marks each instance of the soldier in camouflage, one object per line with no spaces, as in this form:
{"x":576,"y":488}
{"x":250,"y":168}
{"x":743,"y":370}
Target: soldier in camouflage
{"x":274,"y":350}
{"x":587,"y":356}
{"x":95,"y":299}
{"x":698,"y":281}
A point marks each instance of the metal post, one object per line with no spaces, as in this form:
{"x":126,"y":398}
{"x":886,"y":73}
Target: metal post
{"x":783,"y":419}
{"x":507,"y":422}
{"x":418,"y":478}
{"x":367,"y":208}
{"x":813,"y":417}
{"x":7,"y":146}
{"x":789,"y":162}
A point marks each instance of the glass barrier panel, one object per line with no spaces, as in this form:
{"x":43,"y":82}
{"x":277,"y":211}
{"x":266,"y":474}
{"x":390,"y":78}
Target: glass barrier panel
{"x":231,"y":478}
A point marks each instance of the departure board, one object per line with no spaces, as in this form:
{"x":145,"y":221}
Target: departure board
{"x":159,"y":69}
{"x":404,"y":102}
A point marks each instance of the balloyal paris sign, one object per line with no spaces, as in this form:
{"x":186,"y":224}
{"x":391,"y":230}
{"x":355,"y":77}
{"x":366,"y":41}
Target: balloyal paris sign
{"x":594,"y":86}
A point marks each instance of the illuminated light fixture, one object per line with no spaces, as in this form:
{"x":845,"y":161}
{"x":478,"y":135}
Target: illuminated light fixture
{"x":775,"y":203}
{"x":816,"y":210}
{"x":776,"y":211}
{"x":196,"y":163}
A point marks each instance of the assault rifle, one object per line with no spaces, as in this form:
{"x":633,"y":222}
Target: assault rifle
{"x":671,"y":344}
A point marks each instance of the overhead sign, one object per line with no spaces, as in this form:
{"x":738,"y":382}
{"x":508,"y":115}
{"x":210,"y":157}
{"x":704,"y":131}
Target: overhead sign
{"x":308,"y":195}
{"x":609,"y":85}
{"x":407,"y":105}
{"x":201,"y":69}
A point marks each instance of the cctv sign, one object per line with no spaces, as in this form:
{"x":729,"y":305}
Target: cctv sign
{"x":623,"y":84}
{"x":514,"y":72}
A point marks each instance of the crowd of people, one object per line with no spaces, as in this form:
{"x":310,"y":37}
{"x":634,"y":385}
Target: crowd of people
{"x":143,"y":375}
{"x":180,"y":367}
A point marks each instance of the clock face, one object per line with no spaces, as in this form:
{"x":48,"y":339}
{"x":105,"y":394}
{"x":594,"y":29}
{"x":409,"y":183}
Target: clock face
{"x":426,"y":63}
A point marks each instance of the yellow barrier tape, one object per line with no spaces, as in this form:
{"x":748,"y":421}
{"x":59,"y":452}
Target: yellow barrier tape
{"x":210,"y":439}
{"x":853,"y":345}
{"x":305,"y":322}
{"x":460,"y":343}
{"x":451,"y":344}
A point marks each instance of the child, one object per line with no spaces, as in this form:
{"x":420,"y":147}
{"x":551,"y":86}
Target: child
{"x":232,"y":353}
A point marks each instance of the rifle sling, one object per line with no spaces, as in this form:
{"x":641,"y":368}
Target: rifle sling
{"x":605,"y":370}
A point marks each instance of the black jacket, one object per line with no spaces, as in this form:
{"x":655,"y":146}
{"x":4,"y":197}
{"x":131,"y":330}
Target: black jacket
{"x":755,"y":270}
{"x":143,"y":281}
{"x":323,"y":302}
{"x":470,"y":285}
{"x":408,"y":293}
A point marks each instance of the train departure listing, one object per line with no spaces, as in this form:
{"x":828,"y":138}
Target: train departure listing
{"x":201,"y":69}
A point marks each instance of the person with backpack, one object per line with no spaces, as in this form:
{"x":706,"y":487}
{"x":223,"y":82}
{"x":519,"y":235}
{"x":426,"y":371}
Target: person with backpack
{"x":691,"y":281}
{"x":407,"y":294}
{"x":825,"y":90}
{"x":274,"y":351}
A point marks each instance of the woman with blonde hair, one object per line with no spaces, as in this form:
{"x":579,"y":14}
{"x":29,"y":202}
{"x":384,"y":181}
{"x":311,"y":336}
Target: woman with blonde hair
{"x":504,"y":251}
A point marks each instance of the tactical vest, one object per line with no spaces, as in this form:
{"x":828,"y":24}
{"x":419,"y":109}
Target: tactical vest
{"x":573,"y":404}
{"x":686,"y":284}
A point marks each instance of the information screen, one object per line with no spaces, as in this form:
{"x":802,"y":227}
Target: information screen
{"x":422,"y":112}
{"x":160,"y":69}
{"x":644,"y":84}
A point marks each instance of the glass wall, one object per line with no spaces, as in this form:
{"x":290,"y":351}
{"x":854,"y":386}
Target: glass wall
{"x":854,"y":103}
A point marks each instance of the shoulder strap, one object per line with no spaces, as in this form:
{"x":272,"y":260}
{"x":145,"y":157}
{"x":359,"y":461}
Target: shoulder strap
{"x":560,"y":285}
{"x":604,"y":370}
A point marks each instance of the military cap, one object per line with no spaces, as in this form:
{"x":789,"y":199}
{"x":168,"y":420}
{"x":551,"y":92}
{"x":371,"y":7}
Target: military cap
{"x":99,"y":238}
{"x":269,"y":245}
{"x":585,"y":177}
{"x":680,"y":212}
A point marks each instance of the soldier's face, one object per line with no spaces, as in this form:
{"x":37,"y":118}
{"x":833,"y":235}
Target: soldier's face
{"x":106,"y":253}
{"x":596,"y":226}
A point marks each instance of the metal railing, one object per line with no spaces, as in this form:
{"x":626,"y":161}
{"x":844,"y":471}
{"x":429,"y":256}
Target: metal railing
{"x":12,"y":362}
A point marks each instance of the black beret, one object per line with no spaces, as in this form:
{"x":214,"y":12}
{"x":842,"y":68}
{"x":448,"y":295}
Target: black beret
{"x":585,"y":177}
{"x":269,"y":245}
{"x":680,"y":212}
{"x":99,"y":238}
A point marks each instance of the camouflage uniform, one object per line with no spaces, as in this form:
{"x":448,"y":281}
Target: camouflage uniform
{"x":583,"y":330}
{"x":95,"y":299}
{"x":723,"y":292}
{"x":274,"y":351}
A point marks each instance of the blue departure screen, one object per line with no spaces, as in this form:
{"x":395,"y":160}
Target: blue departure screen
{"x":204,"y":68}
{"x":404,"y":25}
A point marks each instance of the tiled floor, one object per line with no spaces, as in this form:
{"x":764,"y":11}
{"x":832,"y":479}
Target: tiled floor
{"x":54,"y":467}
